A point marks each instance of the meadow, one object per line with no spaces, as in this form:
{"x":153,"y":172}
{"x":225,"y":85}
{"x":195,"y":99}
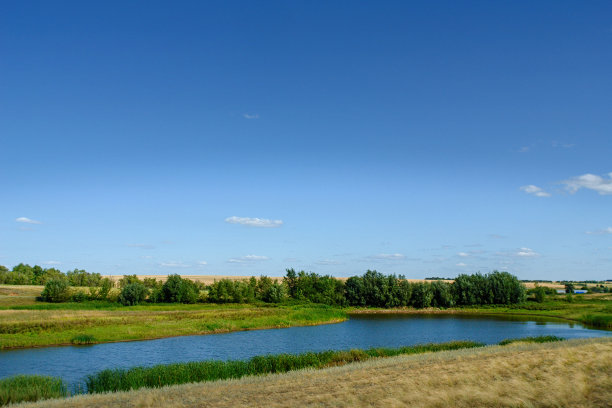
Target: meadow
{"x":27,"y":323}
{"x":569,"y":373}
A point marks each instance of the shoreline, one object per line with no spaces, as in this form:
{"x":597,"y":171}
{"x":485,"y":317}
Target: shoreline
{"x":206,"y":333}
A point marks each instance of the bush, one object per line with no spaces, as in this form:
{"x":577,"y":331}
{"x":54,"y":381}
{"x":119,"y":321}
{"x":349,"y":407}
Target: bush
{"x":56,"y":290}
{"x":133,"y":294}
{"x":79,"y":297}
{"x":179,"y":290}
{"x":83,"y":339}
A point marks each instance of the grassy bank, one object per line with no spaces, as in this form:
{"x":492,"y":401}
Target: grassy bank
{"x":570,"y":373}
{"x":594,"y":310}
{"x":76,"y":323}
{"x":182,"y":373}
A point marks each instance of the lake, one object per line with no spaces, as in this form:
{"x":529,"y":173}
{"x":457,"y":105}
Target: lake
{"x":73,"y":363}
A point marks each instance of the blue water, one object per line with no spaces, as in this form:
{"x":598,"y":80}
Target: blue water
{"x":73,"y":363}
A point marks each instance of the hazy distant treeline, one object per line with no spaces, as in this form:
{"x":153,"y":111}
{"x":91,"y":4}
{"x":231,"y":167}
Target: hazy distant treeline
{"x":24,"y":274}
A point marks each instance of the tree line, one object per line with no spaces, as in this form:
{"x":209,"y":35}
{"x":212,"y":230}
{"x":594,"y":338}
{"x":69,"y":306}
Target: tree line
{"x":24,"y":274}
{"x":372,"y":289}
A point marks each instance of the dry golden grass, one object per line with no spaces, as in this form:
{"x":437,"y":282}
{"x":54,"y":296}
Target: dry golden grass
{"x":567,"y":374}
{"x":208,"y":279}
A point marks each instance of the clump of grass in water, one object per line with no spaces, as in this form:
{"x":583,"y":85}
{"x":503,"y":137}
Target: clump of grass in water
{"x":181,"y":373}
{"x":83,"y":339}
{"x":538,"y":339}
{"x":30,"y":388}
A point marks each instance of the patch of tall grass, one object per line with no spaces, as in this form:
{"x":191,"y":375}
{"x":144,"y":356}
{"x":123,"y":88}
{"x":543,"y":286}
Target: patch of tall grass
{"x":181,"y":373}
{"x":535,"y":339}
{"x":598,"y":320}
{"x":30,"y":388}
{"x":82,"y":339}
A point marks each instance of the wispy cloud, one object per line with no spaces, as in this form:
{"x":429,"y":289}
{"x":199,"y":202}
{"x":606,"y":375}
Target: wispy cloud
{"x":202,"y":263}
{"x":558,"y":144}
{"x":52,"y":263}
{"x":141,"y":246}
{"x":535,"y":190}
{"x":463,"y":254}
{"x":27,"y":220}
{"x":497,"y":236}
{"x":601,"y":232}
{"x":328,"y":262}
{"x":461,"y":264}
{"x":250,"y":115}
{"x":174,"y":265}
{"x":248,"y":259}
{"x":254,"y":222}
{"x":526,"y":252}
{"x":590,"y":181}
{"x":524,"y":149}
{"x":389,"y":257}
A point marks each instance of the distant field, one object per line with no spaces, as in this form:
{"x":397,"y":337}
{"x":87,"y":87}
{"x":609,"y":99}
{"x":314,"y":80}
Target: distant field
{"x":208,"y":279}
{"x":573,"y":373}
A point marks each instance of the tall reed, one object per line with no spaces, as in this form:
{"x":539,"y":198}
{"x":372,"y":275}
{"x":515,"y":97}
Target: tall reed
{"x":181,"y":373}
{"x":30,"y":388}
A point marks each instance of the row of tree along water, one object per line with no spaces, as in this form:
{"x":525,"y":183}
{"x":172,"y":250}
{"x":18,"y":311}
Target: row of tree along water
{"x":372,"y":289}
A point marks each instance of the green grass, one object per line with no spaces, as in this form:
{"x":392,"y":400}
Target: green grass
{"x":182,"y":373}
{"x":30,"y":388}
{"x":55,"y":326}
{"x":536,"y":339}
{"x":83,"y":339}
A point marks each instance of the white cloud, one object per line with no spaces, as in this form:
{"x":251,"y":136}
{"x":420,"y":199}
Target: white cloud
{"x":248,"y":258}
{"x":461,"y":264}
{"x":601,"y":232}
{"x":141,"y":246}
{"x":524,"y":149}
{"x":202,"y":263}
{"x":27,"y":220}
{"x":590,"y":181}
{"x":254,"y":222}
{"x":174,"y":265}
{"x":251,"y":116}
{"x":556,"y":143}
{"x":52,"y":263}
{"x":389,"y":257}
{"x":526,"y":252}
{"x":463,"y":254}
{"x":328,"y":262}
{"x":535,"y":190}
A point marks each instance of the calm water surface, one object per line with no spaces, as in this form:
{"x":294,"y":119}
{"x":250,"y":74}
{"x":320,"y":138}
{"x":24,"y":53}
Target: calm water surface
{"x":73,"y":363}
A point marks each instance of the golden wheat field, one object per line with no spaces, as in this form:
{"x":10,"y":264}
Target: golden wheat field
{"x":575,"y":373}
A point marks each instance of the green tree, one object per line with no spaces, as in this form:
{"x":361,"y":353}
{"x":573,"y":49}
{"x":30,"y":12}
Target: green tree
{"x":56,"y":290}
{"x":133,"y":294}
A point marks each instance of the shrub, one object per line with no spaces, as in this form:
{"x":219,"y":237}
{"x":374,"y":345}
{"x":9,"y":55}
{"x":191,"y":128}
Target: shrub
{"x":275,"y":293}
{"x":56,"y":290}
{"x":179,"y":290}
{"x":133,"y":294}
{"x":79,"y":297}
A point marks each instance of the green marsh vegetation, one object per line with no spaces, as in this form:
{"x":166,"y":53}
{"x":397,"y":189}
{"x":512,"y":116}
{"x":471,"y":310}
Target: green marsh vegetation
{"x":182,"y":373}
{"x":31,"y":388}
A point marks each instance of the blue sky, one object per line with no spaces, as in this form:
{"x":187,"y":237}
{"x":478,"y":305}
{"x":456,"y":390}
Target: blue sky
{"x":421,"y":138}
